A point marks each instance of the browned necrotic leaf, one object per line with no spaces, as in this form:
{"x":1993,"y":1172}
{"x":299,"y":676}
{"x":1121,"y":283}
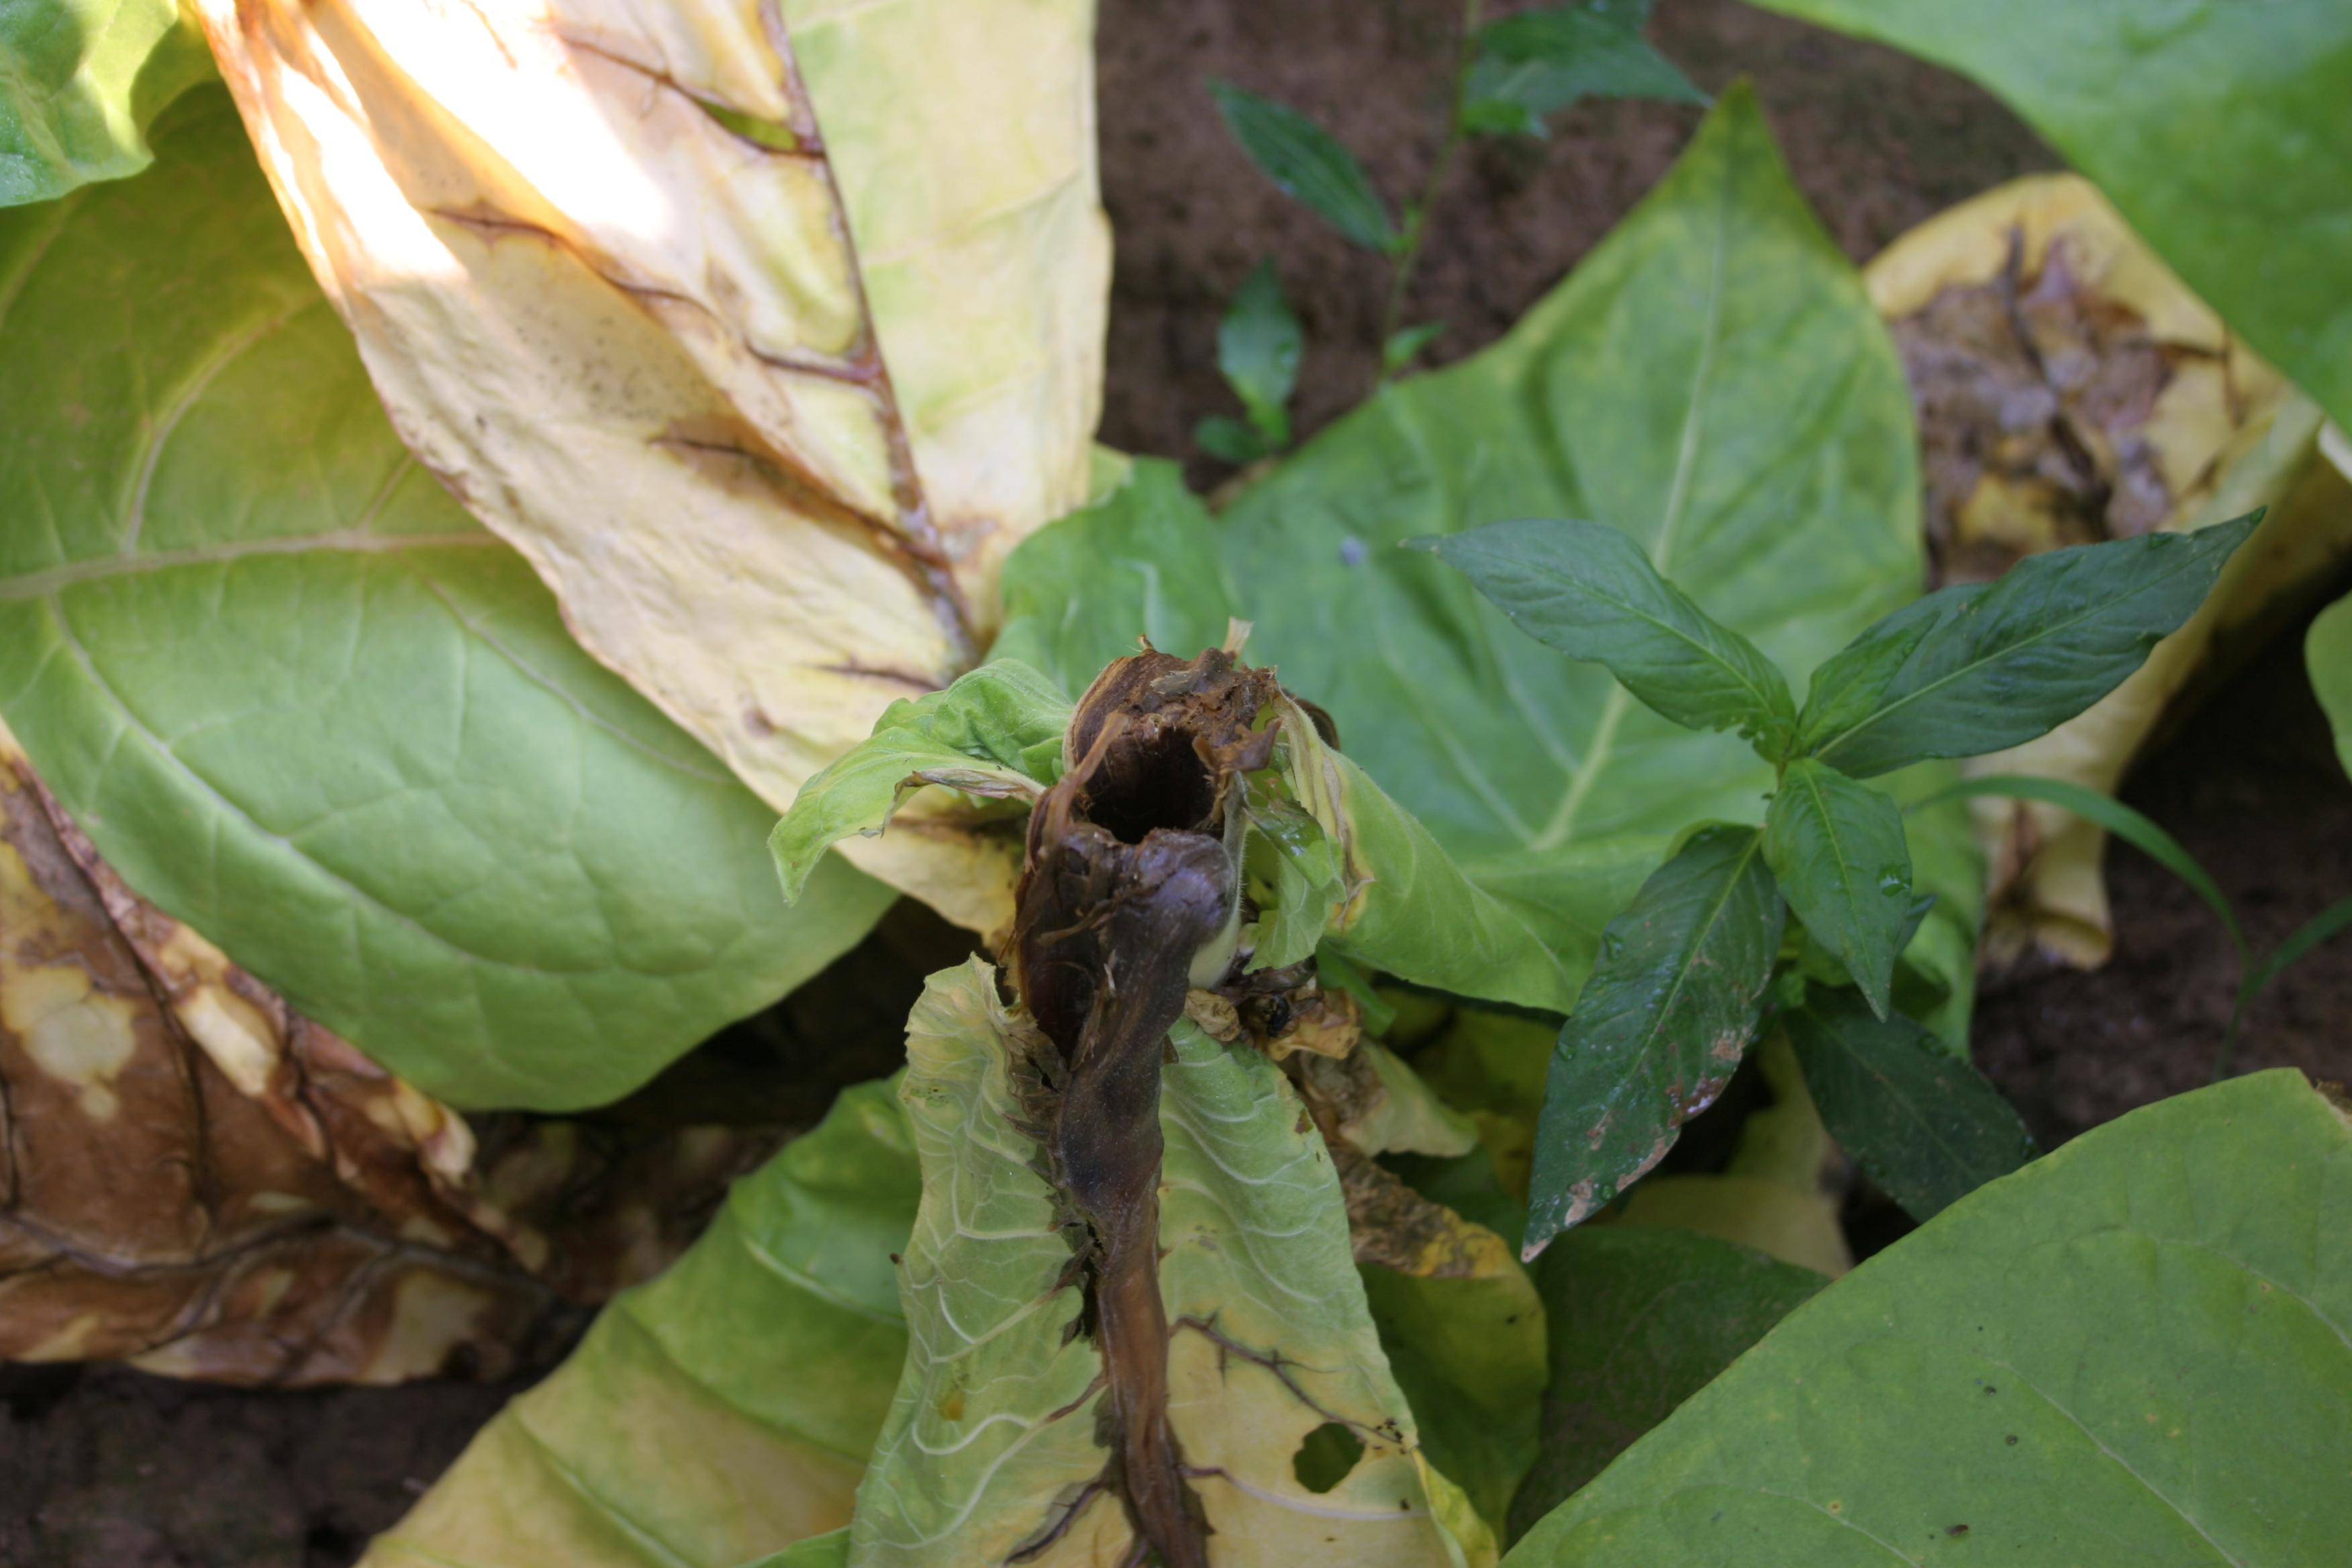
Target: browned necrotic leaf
{"x":195,"y":1178}
{"x":765,"y":404}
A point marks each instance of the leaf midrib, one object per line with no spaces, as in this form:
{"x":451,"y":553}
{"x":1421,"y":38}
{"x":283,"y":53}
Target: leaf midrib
{"x":1688,"y":959}
{"x":99,"y":569}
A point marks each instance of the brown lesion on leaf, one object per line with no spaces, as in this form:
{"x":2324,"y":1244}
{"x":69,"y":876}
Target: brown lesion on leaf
{"x":203,"y":1180}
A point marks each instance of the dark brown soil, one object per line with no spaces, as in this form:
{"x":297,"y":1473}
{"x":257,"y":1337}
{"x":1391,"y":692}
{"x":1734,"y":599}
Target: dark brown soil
{"x":107,"y":1468}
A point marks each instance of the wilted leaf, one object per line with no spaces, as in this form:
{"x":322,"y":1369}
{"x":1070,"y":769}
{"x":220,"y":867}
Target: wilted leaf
{"x":80,"y":81}
{"x":203,"y":1181}
{"x":721,"y":1411}
{"x":1838,"y":849}
{"x":2329,"y":649}
{"x":994,"y":1444}
{"x":1307,"y":163}
{"x":763,"y":333}
{"x":996,"y":733}
{"x":1590,"y":592}
{"x":1914,"y":1115}
{"x":303,"y":703}
{"x":1535,"y":63}
{"x":1659,"y":1028}
{"x":2212,"y":124}
{"x":1640,"y":1319}
{"x":2133,"y":1351}
{"x":2070,"y":390}
{"x":1711,"y":381}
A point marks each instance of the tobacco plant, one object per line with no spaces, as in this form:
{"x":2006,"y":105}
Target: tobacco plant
{"x":433,"y":561}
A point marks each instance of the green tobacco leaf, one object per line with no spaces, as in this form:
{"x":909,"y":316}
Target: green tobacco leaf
{"x":1469,"y":1356}
{"x":1537,"y":63}
{"x":1258,"y":345}
{"x":2213,"y":126}
{"x":1142,"y":561}
{"x":1711,"y":380}
{"x":303,"y":703}
{"x":1590,"y":591}
{"x":1994,"y":665}
{"x":1640,"y":1319}
{"x":2135,"y":1350}
{"x":1307,"y":163}
{"x":992,"y":1438}
{"x":81,"y":83}
{"x":2329,"y":650}
{"x":996,"y":733}
{"x":721,"y":1411}
{"x":1838,"y":848}
{"x":1406,"y":906}
{"x":1666,"y":1016}
{"x":1921,"y":1122}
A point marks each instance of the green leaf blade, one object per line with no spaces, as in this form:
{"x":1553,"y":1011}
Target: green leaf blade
{"x":1258,"y":346}
{"x":1924,"y":1125}
{"x":302,"y":703}
{"x":1307,"y":163}
{"x":1536,"y":63}
{"x":2000,"y":1367}
{"x":81,"y":83}
{"x":1838,"y":848}
{"x":1640,"y":1319}
{"x":1996,"y":665}
{"x":1590,"y":592}
{"x":720,"y":1411}
{"x":1669,"y":1011}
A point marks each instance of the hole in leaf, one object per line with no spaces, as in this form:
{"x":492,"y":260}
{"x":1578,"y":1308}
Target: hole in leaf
{"x":1325,"y":1456}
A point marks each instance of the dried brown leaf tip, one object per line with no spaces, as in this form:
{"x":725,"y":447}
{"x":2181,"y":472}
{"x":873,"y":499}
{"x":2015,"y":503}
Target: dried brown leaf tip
{"x":198,"y":1179}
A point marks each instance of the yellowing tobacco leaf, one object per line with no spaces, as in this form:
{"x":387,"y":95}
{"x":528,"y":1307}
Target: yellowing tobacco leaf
{"x":994,"y":1447}
{"x":764,"y":330}
{"x":2072,"y":390}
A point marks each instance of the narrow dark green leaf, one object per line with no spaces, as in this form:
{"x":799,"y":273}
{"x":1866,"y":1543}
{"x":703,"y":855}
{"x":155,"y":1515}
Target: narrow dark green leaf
{"x":1669,"y":1011}
{"x":1307,"y":164}
{"x":1234,"y":441}
{"x":1404,"y":345}
{"x":2001,"y":664}
{"x":1838,"y":848}
{"x":1539,"y":62}
{"x":1640,"y":1319}
{"x":2132,"y":828}
{"x":1592,"y":593}
{"x":1922,"y":1122}
{"x":1258,"y":345}
{"x":2328,"y":923}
